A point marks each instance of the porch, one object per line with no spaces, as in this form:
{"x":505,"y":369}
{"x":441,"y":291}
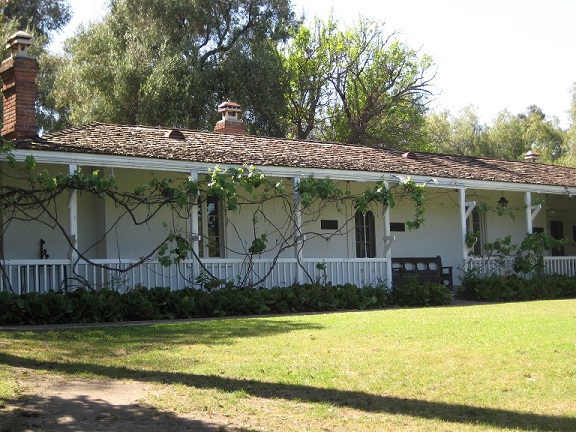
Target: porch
{"x":24,"y":276}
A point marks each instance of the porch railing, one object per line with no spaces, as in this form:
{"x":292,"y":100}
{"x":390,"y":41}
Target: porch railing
{"x":552,"y":265}
{"x":21,"y":276}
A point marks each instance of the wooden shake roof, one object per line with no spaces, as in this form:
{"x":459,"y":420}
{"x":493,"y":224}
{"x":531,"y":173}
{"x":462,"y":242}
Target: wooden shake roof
{"x":218,"y":148}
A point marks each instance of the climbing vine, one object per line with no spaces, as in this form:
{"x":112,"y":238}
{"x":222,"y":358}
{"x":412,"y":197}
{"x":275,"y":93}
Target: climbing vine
{"x":29,"y":193}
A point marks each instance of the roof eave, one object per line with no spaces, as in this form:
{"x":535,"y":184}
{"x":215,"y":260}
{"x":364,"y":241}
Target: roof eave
{"x":169,"y":165}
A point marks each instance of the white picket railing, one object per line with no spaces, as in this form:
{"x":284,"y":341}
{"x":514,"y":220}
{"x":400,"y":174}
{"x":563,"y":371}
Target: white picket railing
{"x":21,"y":276}
{"x":498,"y":266}
{"x":560,"y":265}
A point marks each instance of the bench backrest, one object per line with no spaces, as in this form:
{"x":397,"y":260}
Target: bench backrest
{"x":416,"y":264}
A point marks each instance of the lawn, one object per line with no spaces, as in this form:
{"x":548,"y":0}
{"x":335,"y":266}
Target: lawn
{"x":469,"y":368}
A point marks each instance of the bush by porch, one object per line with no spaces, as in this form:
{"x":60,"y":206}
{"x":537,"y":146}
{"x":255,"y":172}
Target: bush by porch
{"x":105,"y":305}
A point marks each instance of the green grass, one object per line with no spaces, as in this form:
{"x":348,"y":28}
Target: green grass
{"x":477,"y":368}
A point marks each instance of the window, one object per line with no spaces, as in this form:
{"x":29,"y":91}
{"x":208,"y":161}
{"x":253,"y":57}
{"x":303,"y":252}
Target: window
{"x":328,"y":224}
{"x":476,"y":224}
{"x":210,"y":219}
{"x":397,"y":227}
{"x":365,"y":235}
{"x":557,"y":232}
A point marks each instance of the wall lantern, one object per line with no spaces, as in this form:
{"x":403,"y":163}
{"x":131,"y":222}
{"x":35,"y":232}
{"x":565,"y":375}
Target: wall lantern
{"x":502,"y":202}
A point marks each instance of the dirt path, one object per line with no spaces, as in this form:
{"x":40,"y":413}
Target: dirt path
{"x":50,"y":403}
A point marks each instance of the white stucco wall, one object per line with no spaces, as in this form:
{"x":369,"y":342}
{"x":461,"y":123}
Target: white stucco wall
{"x":91,"y":226}
{"x":512,"y":221}
{"x":22,"y":237}
{"x":127,"y":240}
{"x":440,"y":234}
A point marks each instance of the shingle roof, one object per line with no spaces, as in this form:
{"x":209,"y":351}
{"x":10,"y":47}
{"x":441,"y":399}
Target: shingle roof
{"x":217,"y":148}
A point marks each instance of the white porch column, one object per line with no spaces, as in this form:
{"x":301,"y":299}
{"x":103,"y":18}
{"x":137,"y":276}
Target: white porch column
{"x":528,"y":202}
{"x":531,"y":211}
{"x":73,"y":219}
{"x":466,"y":208}
{"x":194,"y":227}
{"x":298,"y":240}
{"x":388,"y":240}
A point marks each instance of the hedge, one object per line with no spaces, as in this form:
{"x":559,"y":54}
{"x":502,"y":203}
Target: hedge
{"x":513,"y":288}
{"x":140,"y":303}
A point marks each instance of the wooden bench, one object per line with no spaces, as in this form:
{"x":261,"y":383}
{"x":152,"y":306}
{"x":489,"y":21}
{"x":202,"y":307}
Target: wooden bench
{"x":428,"y":269}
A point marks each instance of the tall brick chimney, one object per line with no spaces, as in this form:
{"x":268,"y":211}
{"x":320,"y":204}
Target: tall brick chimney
{"x":18,"y":73}
{"x":231,"y":122}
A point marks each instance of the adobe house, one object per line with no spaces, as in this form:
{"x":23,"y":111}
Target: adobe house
{"x":83,"y":238}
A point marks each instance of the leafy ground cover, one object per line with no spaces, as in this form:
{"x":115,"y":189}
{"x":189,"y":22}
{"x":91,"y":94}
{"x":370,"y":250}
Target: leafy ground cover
{"x":473,"y":368}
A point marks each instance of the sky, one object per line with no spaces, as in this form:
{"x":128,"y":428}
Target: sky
{"x":491,"y":54}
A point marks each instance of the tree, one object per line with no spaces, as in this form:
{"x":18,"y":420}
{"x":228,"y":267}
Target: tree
{"x":171,"y":62}
{"x":41,"y":17}
{"x":307,"y":65}
{"x":382,"y":85}
{"x":506,"y":137}
{"x":461,"y":135}
{"x":570,"y":157}
{"x":358,"y":85}
{"x":543,"y":135}
{"x":509,"y":137}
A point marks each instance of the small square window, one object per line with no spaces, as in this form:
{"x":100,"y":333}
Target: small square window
{"x":328,"y":224}
{"x":397,"y":226}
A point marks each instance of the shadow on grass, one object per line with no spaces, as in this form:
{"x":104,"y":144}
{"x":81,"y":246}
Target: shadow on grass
{"x":84,"y":414}
{"x":109,"y":338}
{"x":453,"y":413}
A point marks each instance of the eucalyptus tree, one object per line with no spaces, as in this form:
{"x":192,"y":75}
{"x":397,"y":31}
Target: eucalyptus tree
{"x":41,"y":17}
{"x":508,"y":137}
{"x":570,"y":157}
{"x":171,"y":62}
{"x":543,"y":135}
{"x":463,"y":134}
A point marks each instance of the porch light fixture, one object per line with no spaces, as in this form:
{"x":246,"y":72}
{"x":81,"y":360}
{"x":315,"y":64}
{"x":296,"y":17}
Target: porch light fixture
{"x":502,"y":202}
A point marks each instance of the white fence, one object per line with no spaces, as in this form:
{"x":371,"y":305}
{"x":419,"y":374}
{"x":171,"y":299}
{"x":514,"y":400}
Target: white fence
{"x":21,"y":276}
{"x":498,"y":266}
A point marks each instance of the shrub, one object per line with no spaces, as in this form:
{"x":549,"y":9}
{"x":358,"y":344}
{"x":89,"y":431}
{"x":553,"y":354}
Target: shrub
{"x":414,"y":292}
{"x":141,"y":303}
{"x":513,"y":288}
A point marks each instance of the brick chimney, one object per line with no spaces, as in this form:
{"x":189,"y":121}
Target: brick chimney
{"x":231,"y":122}
{"x":18,"y":73}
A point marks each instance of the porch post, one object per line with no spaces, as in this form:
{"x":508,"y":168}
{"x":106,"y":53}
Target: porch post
{"x":298,"y":240}
{"x":388,"y":239}
{"x":73,"y":219}
{"x":531,"y":211}
{"x":466,"y":208}
{"x":462,"y":199}
{"x":194,"y":233}
{"x":528,"y":202}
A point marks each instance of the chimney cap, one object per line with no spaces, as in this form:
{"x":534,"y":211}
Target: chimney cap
{"x":229,"y":106}
{"x":18,"y":43}
{"x":531,"y":156}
